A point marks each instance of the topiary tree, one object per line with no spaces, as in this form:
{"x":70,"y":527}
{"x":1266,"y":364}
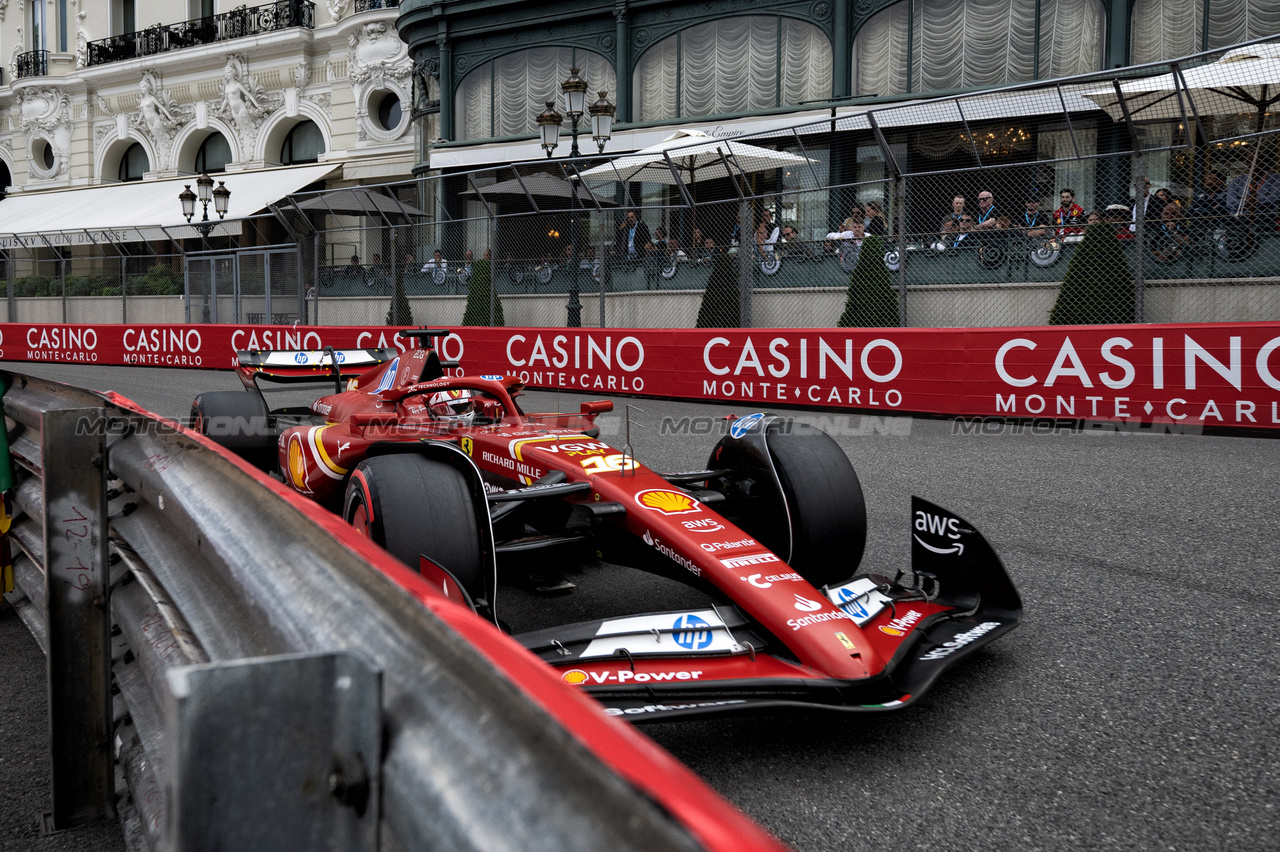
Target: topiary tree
{"x":1098,"y":287}
{"x":870,"y":302}
{"x":720,"y":307}
{"x":477,"y":312}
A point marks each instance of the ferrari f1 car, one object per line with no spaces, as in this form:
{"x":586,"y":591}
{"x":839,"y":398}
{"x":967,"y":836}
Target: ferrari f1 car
{"x":449,"y":475}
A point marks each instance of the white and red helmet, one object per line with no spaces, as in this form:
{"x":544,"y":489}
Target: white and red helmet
{"x":454,"y":406}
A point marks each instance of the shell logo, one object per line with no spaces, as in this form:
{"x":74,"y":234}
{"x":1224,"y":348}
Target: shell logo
{"x":297,"y":462}
{"x":892,"y":631}
{"x":668,"y":502}
{"x":574,"y":677}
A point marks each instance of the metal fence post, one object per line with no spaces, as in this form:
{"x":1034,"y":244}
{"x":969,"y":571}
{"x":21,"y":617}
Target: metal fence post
{"x":902,"y":250}
{"x":1139,"y":233}
{"x":73,"y":453}
{"x":746,"y":256}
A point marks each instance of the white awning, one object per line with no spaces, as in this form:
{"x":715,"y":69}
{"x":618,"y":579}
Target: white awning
{"x":125,"y":212}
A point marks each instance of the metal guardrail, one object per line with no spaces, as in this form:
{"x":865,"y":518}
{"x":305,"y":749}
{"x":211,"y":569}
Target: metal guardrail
{"x":33,"y":63}
{"x":271,"y":688}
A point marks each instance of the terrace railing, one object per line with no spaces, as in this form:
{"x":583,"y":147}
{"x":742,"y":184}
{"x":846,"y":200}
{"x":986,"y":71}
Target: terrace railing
{"x":237,"y":23}
{"x":34,"y":63}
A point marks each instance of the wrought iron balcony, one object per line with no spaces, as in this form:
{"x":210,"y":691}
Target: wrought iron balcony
{"x":367,"y":5}
{"x":237,"y":23}
{"x":34,"y":63}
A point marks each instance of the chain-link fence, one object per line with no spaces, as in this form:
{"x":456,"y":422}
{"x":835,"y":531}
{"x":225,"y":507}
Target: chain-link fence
{"x":1008,"y":207}
{"x":973,"y":210}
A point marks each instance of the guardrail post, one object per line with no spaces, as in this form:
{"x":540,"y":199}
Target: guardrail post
{"x":73,"y":450}
{"x":275,"y":753}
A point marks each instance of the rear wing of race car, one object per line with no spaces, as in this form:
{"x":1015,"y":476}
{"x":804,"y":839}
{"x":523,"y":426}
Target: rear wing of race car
{"x":308,"y":365}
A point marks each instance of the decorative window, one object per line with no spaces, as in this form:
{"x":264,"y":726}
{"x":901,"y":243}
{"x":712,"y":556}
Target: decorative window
{"x":1167,"y":29}
{"x":214,"y":154}
{"x":134,"y":163}
{"x":304,"y":144}
{"x":732,"y":66}
{"x":504,"y":97}
{"x":936,"y":45}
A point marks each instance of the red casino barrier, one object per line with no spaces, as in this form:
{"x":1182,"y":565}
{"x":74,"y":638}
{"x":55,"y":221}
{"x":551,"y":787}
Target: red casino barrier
{"x":1191,"y":375}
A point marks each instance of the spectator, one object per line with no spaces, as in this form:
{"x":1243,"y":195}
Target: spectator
{"x":856,"y":214}
{"x":468,"y":260}
{"x":354,"y":267}
{"x":876,"y":225}
{"x":1261,"y":195}
{"x":660,"y":244}
{"x":1069,"y":214}
{"x":633,"y":238}
{"x":767,"y":233}
{"x":963,"y":230}
{"x":850,"y":249}
{"x":437,"y":261}
{"x":1210,"y":203}
{"x":1094,"y":218}
{"x":986,"y":218}
{"x":1034,"y":223}
{"x":1171,"y":238}
{"x":951,"y":223}
{"x":1149,"y":210}
{"x":410,"y":265}
{"x":1121,"y":217}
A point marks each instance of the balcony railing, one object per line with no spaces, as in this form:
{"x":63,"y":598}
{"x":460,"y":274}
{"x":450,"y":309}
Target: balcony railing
{"x":237,"y":23}
{"x":34,"y":63}
{"x":367,"y":5}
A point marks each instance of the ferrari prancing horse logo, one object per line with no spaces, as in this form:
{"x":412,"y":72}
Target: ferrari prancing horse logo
{"x":468,"y":445}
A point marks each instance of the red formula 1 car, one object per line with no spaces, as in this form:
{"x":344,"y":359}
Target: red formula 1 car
{"x":453,"y":478}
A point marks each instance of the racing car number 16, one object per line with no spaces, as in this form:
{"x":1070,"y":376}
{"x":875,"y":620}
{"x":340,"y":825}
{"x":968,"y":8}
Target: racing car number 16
{"x":608,"y":464}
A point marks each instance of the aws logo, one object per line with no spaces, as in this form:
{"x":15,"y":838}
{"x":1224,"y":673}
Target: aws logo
{"x":668,"y":502}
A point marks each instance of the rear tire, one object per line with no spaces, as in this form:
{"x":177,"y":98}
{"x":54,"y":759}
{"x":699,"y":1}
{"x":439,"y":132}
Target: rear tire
{"x":239,"y":422}
{"x":824,"y":501}
{"x":412,"y":506}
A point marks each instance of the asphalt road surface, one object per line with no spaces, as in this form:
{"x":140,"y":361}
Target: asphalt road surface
{"x":1135,"y":708}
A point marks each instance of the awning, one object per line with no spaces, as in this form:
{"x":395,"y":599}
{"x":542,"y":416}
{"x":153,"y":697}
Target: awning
{"x":126,"y":212}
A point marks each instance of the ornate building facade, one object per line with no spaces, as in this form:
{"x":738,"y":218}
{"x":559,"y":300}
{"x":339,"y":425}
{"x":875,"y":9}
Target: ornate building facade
{"x":97,"y":92}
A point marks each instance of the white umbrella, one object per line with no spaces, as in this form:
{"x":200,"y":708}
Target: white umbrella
{"x":1246,"y":79}
{"x":692,"y":156}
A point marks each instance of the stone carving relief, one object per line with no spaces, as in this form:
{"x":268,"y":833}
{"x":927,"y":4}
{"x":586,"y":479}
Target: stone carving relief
{"x":159,"y":116}
{"x":82,"y":41}
{"x":13,"y":57}
{"x":245,"y":102}
{"x":46,"y":113}
{"x":338,"y":9}
{"x":377,"y":60}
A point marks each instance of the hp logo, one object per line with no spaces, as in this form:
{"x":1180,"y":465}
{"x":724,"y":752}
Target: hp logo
{"x":692,"y":633}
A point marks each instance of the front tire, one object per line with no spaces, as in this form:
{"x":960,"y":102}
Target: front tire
{"x":412,"y":506}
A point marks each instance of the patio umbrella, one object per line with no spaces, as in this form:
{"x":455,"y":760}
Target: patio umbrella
{"x":540,"y":186}
{"x":1246,"y":79}
{"x":688,"y":156}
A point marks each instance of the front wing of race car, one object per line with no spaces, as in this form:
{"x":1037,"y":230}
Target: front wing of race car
{"x":956,"y":599}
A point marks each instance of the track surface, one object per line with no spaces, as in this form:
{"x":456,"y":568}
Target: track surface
{"x":1136,"y":708}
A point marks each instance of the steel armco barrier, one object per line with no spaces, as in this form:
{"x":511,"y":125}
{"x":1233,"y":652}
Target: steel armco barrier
{"x":225,"y":670}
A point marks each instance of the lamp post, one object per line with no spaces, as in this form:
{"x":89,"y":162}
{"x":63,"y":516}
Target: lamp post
{"x":221,"y":198}
{"x":602,"y":113}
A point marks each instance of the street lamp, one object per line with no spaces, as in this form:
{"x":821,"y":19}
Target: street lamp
{"x":221,"y":198}
{"x":602,"y":113}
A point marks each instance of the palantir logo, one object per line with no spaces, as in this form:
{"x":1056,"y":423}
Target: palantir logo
{"x":691,"y":632}
{"x":743,"y":425}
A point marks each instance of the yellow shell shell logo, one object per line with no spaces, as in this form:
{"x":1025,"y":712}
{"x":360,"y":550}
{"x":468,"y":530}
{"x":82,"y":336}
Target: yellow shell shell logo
{"x":574,"y":677}
{"x":667,"y":502}
{"x":892,"y":631}
{"x":297,"y":463}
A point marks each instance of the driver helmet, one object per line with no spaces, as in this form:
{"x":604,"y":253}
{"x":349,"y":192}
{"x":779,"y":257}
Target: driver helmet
{"x":453,"y":406}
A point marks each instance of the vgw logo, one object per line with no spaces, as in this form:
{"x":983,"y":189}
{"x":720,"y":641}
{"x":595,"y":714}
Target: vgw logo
{"x":692,"y":633}
{"x":939,"y":525}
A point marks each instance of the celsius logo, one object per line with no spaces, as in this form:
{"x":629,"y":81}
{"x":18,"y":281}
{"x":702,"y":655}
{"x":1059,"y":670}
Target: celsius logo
{"x":900,"y":626}
{"x":806,"y":605}
{"x":743,"y":425}
{"x":768,"y":581}
{"x":692,"y":632}
{"x":703,"y":525}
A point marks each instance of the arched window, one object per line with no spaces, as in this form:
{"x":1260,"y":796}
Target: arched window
{"x":733,"y":65}
{"x":214,"y":154}
{"x":134,"y":163}
{"x":960,"y":44}
{"x":504,"y":97}
{"x":1167,"y":29}
{"x":304,"y":144}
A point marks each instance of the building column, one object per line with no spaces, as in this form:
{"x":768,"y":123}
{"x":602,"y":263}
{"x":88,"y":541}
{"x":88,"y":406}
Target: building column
{"x":447,"y":100}
{"x":622,"y":60}
{"x":841,"y":53}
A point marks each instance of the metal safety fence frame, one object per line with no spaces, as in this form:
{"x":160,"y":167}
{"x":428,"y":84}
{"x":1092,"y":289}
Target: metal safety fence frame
{"x":230,"y":666}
